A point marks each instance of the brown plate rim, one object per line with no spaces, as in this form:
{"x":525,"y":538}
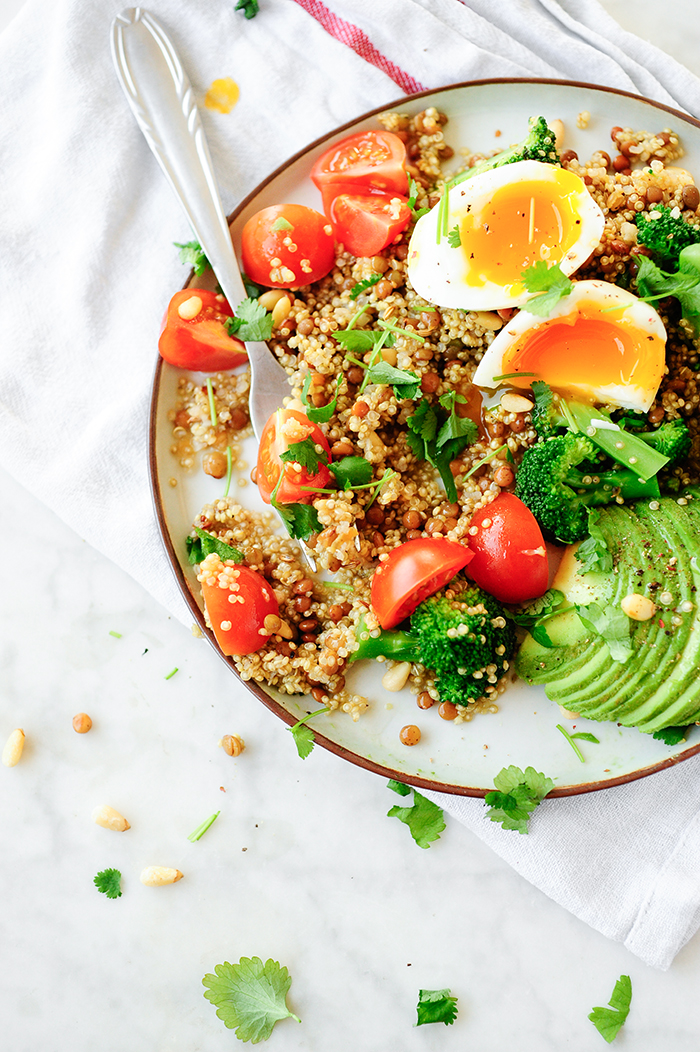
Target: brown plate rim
{"x":254,"y":688}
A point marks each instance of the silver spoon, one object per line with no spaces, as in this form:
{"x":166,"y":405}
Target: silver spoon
{"x":162,"y":101}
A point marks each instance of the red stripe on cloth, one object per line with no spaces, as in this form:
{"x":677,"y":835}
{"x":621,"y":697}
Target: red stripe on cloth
{"x":360,"y":43}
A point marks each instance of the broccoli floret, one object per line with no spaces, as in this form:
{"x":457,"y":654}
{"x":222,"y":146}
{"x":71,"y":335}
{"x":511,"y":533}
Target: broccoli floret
{"x":467,"y":640}
{"x":666,"y":236}
{"x":538,"y":145}
{"x":672,"y":440}
{"x":559,"y":481}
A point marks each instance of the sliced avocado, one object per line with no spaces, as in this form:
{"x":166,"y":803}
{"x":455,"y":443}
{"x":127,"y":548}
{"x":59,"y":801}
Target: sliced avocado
{"x":656,"y":553}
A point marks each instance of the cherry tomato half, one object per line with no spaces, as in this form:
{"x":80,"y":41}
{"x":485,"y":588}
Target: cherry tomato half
{"x":283,"y":428}
{"x":412,"y":572}
{"x":237,"y":613}
{"x":370,"y":158}
{"x":286,"y":246}
{"x":510,"y":557}
{"x":194,"y":334}
{"x":367,"y":223}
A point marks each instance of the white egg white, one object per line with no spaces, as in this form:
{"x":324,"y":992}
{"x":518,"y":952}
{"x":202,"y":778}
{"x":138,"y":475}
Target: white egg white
{"x":600,"y":301}
{"x":445,"y":275}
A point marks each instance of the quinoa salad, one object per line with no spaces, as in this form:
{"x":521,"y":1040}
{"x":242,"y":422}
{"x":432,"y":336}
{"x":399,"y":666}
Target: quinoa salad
{"x":316,"y":621}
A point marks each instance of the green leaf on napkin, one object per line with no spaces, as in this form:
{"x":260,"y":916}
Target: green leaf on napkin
{"x":518,"y":794}
{"x":250,"y":8}
{"x":424,"y":819}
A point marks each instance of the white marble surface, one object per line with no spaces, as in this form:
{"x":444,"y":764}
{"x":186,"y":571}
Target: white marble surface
{"x":302,"y":864}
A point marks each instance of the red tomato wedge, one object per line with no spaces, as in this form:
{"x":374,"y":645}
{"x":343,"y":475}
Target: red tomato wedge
{"x":369,"y":158}
{"x":411,"y":573}
{"x":285,"y":427}
{"x":367,"y":223}
{"x":510,"y":557}
{"x":287,"y":246}
{"x":237,"y":613}
{"x":194,"y":334}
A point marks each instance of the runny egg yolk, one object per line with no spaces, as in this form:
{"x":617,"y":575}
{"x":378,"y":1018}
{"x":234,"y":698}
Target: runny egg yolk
{"x":576,"y":351}
{"x":522,"y":223}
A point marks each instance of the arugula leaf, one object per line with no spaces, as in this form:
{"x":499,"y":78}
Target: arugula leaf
{"x":306,"y":455}
{"x":251,"y":323}
{"x":303,"y":735}
{"x":199,"y":832}
{"x":612,"y":624}
{"x":609,"y":1021}
{"x":454,"y":238}
{"x":363,"y":285}
{"x":436,"y":1006}
{"x":424,"y":819}
{"x":583,"y":735}
{"x":250,"y":997}
{"x":205,"y":543}
{"x":107,"y":882}
{"x":351,"y":472}
{"x":250,"y":8}
{"x":593,"y":553}
{"x":300,"y":520}
{"x":518,"y":794}
{"x":191,"y":252}
{"x":672,"y":735}
{"x":655,"y":284}
{"x":550,"y":282}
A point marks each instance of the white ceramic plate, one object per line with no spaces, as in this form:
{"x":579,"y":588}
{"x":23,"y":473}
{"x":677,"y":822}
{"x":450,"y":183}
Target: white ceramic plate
{"x":458,"y":759}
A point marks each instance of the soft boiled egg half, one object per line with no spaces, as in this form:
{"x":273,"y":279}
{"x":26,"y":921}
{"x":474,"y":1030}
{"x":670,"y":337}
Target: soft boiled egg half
{"x":599,"y":343}
{"x":471,"y":249}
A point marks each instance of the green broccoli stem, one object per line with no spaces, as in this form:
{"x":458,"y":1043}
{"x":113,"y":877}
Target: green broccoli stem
{"x":601,"y":487}
{"x":400,"y":646}
{"x":626,"y":448}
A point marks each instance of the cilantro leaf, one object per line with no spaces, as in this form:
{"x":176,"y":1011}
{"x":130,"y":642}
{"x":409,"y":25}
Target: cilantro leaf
{"x":251,"y":323}
{"x":413,"y":191}
{"x":205,"y":543}
{"x":454,"y":238}
{"x":406,"y":384}
{"x":363,"y":285}
{"x":436,"y":1006}
{"x":300,"y":520}
{"x":424,"y":819}
{"x":612,"y":624}
{"x":609,"y":1021}
{"x":250,"y":8}
{"x":671,"y":735}
{"x":251,"y":288}
{"x":551,"y":284}
{"x":358,"y":341}
{"x":593,"y":553}
{"x":459,"y":427}
{"x":303,"y":735}
{"x":439,"y":438}
{"x":319,"y":414}
{"x":306,"y":455}
{"x":107,"y":881}
{"x":655,"y":284}
{"x":351,"y":471}
{"x":250,"y":997}
{"x":517,"y":795}
{"x":582,"y":735}
{"x":191,"y":252}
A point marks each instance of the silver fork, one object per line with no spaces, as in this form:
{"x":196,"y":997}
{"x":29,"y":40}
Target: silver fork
{"x":163,"y":103}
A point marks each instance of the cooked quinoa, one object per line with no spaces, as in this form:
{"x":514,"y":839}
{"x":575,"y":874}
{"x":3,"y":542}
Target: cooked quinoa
{"x":443,"y":347}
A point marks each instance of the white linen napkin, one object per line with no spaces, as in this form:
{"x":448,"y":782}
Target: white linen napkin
{"x":87,"y":267}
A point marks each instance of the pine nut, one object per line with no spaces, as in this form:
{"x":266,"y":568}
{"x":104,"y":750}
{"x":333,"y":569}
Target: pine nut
{"x":270,"y":299}
{"x":108,"y":818}
{"x":396,"y":677}
{"x":272,"y":623}
{"x":14,"y":745}
{"x":568,"y":714}
{"x":285,"y":631}
{"x":515,"y":403}
{"x":232,"y":744}
{"x":82,"y":723}
{"x":156,"y":876}
{"x":488,"y":319}
{"x":638,"y":607}
{"x":557,"y":127}
{"x":190,"y":308}
{"x":280,"y":311}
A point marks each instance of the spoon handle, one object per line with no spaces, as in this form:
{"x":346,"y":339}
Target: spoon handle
{"x":163,"y":103}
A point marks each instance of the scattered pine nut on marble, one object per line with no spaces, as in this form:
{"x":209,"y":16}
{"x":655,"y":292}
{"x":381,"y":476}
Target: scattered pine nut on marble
{"x":156,"y":876}
{"x":110,"y":819}
{"x":14,"y":745}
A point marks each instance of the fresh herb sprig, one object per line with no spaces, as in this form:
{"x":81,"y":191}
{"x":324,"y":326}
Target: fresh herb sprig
{"x":319,"y":414}
{"x":205,"y":543}
{"x":585,"y":736}
{"x":424,"y":819}
{"x":251,"y":322}
{"x":303,"y":736}
{"x":107,"y":881}
{"x":517,"y":795}
{"x":364,"y":285}
{"x":613,"y":625}
{"x":551,"y":285}
{"x":609,"y":1021}
{"x":413,"y":191}
{"x":535,"y":615}
{"x":191,"y":253}
{"x":437,"y":433}
{"x":436,"y":1006}
{"x":250,"y":997}
{"x":593,"y":553}
{"x":250,"y":8}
